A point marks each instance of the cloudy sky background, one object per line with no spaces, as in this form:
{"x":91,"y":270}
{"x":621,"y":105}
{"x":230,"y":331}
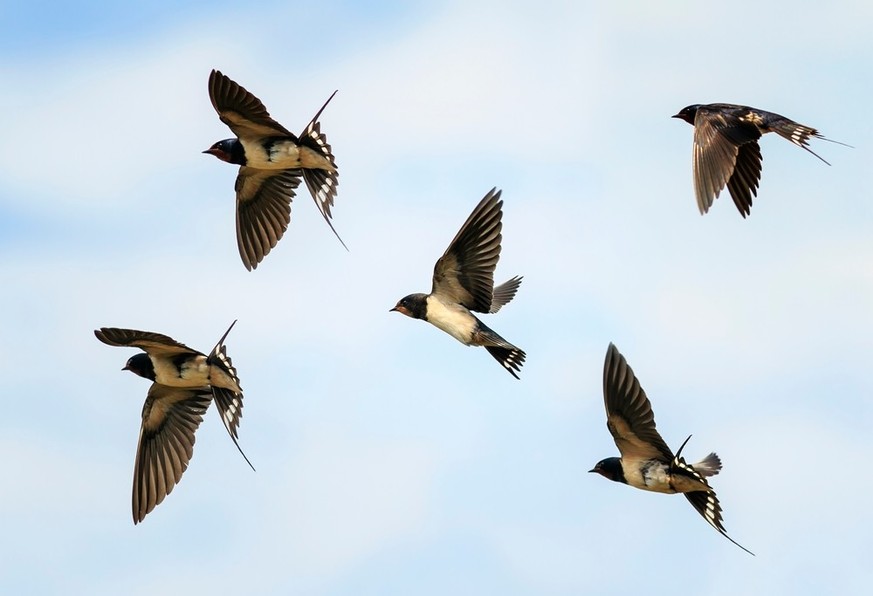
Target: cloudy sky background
{"x":390,"y":459}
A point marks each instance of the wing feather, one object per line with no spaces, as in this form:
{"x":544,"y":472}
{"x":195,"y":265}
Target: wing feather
{"x":465,"y":272}
{"x":170,"y":418}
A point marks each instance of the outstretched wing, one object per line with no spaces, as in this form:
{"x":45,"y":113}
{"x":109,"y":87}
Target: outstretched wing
{"x":629,"y":415}
{"x":243,"y":113}
{"x":725,"y":149}
{"x":505,"y":292}
{"x":153,"y":343}
{"x":170,"y":417}
{"x":263,"y":211}
{"x":465,"y":273}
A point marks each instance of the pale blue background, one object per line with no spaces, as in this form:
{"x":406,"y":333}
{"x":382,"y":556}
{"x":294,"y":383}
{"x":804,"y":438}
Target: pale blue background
{"x":391,"y":459}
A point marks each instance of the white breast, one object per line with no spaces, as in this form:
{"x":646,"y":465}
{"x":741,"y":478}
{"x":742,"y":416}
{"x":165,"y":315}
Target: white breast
{"x":282,"y":155}
{"x":455,"y":320}
{"x":648,"y":475}
{"x":194,"y":373}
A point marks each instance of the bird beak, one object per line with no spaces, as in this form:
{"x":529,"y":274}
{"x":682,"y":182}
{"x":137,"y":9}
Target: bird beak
{"x":676,"y":116}
{"x":212,"y":151}
{"x":126,"y":367}
{"x":594,"y":470}
{"x":401,"y":309}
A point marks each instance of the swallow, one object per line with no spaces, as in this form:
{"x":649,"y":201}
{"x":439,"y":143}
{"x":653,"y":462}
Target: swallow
{"x":174,"y":365}
{"x":646,"y":461}
{"x":726,"y":150}
{"x":272,"y":159}
{"x":463,"y":281}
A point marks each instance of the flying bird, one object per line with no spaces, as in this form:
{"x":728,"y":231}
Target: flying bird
{"x":185,"y":381}
{"x":272,"y":159}
{"x":646,"y":461}
{"x":463,"y":281}
{"x":726,"y":150}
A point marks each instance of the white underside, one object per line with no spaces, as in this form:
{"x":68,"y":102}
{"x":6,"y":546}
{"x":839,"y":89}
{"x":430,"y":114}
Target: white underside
{"x":194,"y":374}
{"x":653,"y":478}
{"x":283,"y":156}
{"x":451,"y":318}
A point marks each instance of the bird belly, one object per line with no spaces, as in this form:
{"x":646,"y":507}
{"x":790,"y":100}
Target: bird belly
{"x":276,"y":155}
{"x":190,"y":373}
{"x":651,"y":475}
{"x":453,"y":319}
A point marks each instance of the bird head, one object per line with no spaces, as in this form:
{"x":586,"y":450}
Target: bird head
{"x":610,"y":468}
{"x":688,"y":113}
{"x":414,"y":305}
{"x":229,"y":150}
{"x":141,"y":365}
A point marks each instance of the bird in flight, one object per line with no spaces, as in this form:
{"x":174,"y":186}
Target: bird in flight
{"x":463,"y":281}
{"x":272,"y":160}
{"x":726,"y":150}
{"x":184,"y":382}
{"x":646,"y":461}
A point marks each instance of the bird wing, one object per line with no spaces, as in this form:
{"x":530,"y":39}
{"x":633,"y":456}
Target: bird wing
{"x":743,"y":183}
{"x":152,"y":343}
{"x":322,"y":184}
{"x":629,"y":415}
{"x":503,"y":293}
{"x":465,"y":272}
{"x":241,"y":111}
{"x":170,"y":418}
{"x":263,"y":210}
{"x":717,"y":139}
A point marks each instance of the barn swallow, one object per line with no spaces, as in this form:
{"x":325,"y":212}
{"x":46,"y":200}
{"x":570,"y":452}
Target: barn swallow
{"x":463,"y":280}
{"x":726,"y":150}
{"x":171,"y":364}
{"x":272,"y":159}
{"x":646,"y":461}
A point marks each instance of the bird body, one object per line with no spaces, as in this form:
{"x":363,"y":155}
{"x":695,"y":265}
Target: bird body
{"x":189,"y":370}
{"x":646,"y":462}
{"x":726,"y":150}
{"x":463,"y":281}
{"x":277,"y":153}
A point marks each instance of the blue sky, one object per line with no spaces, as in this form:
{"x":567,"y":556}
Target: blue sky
{"x":390,"y":458}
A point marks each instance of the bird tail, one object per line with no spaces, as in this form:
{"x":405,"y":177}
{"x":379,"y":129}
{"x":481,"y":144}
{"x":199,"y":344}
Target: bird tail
{"x":322,"y":183}
{"x":510,"y":358}
{"x":218,"y":357}
{"x":503,"y":293}
{"x":230,"y":408}
{"x":798,"y":134}
{"x":508,"y":355}
{"x":228,"y":401}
